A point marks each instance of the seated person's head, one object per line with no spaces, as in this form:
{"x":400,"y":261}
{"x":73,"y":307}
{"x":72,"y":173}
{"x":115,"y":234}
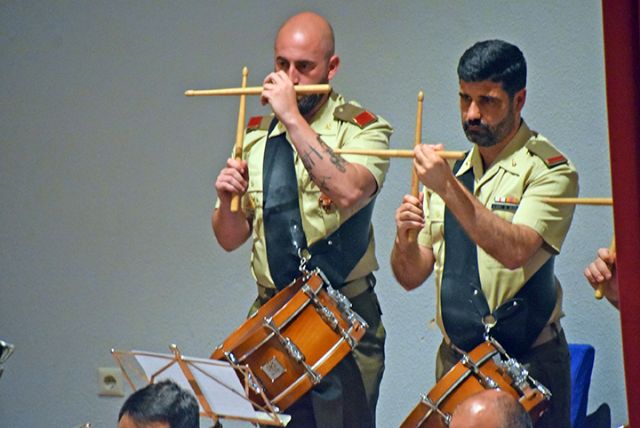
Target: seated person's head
{"x":491,"y":408}
{"x":159,"y":405}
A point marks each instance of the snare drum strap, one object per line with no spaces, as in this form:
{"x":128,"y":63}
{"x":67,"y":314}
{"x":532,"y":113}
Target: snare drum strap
{"x":336,"y":255}
{"x":464,"y":306}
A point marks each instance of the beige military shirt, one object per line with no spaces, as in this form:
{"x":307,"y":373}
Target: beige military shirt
{"x":528,"y":169}
{"x":363,"y":131}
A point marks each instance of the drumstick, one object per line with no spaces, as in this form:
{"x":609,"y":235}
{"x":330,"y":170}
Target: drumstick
{"x":415,"y":182}
{"x":612,"y":250}
{"x":397,"y":153}
{"x":256,"y":90}
{"x":237,"y":151}
{"x":579,"y":201}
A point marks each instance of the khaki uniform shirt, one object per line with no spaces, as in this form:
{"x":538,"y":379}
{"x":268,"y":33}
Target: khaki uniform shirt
{"x":316,"y":221}
{"x":511,"y":188}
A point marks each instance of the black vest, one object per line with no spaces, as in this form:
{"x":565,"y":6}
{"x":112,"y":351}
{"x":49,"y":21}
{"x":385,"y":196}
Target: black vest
{"x":518,"y":321}
{"x":335,"y":255}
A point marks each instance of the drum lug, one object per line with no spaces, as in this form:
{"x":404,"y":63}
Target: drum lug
{"x":485,"y":380}
{"x":293,"y":351}
{"x":328,"y":316}
{"x":344,"y":305}
{"x":519,"y":374}
{"x":540,"y":387}
{"x":254,"y":383}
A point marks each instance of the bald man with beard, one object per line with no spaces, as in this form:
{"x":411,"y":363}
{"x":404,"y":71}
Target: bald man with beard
{"x":298,"y":196}
{"x":491,"y":408}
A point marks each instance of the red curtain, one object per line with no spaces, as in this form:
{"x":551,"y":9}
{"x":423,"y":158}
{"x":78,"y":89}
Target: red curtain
{"x":621,"y":20}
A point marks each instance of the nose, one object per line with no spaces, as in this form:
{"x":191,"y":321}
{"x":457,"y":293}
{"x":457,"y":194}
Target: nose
{"x":473,"y":112}
{"x":293,"y":74}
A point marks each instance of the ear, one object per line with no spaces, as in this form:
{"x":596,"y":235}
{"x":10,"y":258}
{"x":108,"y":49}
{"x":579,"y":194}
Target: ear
{"x":334,"y":64}
{"x":519,"y":99}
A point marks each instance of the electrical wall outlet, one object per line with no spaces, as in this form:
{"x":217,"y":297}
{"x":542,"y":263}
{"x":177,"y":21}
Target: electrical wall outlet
{"x":110,"y":382}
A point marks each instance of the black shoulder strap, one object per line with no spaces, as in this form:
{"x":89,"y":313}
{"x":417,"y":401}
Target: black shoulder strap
{"x":281,"y":210}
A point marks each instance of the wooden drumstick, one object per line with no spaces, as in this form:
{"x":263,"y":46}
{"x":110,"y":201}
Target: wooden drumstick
{"x":454,"y":155}
{"x":612,"y":251}
{"x":237,"y":151}
{"x":579,"y":201}
{"x":415,"y":182}
{"x":257,"y":90}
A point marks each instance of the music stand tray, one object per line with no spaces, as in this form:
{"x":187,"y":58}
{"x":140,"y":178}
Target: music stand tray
{"x":216,"y":384}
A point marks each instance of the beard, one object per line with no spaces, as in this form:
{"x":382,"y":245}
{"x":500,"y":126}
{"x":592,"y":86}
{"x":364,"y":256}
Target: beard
{"x":486,"y":135}
{"x":307,"y":103}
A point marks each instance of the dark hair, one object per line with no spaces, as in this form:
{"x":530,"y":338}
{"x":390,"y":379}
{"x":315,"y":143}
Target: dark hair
{"x":494,"y":60}
{"x":514,"y":414}
{"x":162,"y":402}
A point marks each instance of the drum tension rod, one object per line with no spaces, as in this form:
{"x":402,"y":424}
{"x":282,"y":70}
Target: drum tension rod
{"x":293,"y":351}
{"x":344,"y":305}
{"x":518,"y":372}
{"x":328,"y":316}
{"x":486,"y":381}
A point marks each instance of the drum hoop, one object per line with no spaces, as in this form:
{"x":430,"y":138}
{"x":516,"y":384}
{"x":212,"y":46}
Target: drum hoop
{"x":465,"y":376}
{"x":431,"y":408}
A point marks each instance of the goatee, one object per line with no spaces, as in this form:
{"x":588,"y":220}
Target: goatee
{"x":486,"y":135}
{"x":307,"y":103}
{"x":482,"y":135}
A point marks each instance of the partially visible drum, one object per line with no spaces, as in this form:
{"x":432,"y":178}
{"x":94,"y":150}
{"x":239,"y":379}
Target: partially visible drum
{"x":487,"y":366}
{"x":294,"y":340}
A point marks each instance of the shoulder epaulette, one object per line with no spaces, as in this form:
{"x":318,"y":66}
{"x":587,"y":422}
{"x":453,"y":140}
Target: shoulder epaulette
{"x":259,"y":122}
{"x":353,"y":114}
{"x":545,"y":151}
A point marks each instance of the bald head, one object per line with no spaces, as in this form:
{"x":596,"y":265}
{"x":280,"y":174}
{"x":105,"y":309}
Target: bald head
{"x":304,"y":51}
{"x":491,"y":408}
{"x":309,"y":28}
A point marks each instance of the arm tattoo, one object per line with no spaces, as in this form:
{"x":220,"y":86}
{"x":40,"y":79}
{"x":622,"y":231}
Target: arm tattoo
{"x":336,"y":160}
{"x":307,"y":161}
{"x":322,"y":184}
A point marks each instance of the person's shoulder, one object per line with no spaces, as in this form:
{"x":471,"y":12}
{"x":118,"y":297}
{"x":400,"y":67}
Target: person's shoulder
{"x":545,"y":153}
{"x":353,"y":113}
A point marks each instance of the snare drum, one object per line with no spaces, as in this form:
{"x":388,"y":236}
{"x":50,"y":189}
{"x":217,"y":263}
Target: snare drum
{"x":486,"y":366}
{"x":293,"y":340}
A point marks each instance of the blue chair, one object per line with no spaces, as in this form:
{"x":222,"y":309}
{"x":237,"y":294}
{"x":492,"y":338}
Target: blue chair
{"x":582,"y":357}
